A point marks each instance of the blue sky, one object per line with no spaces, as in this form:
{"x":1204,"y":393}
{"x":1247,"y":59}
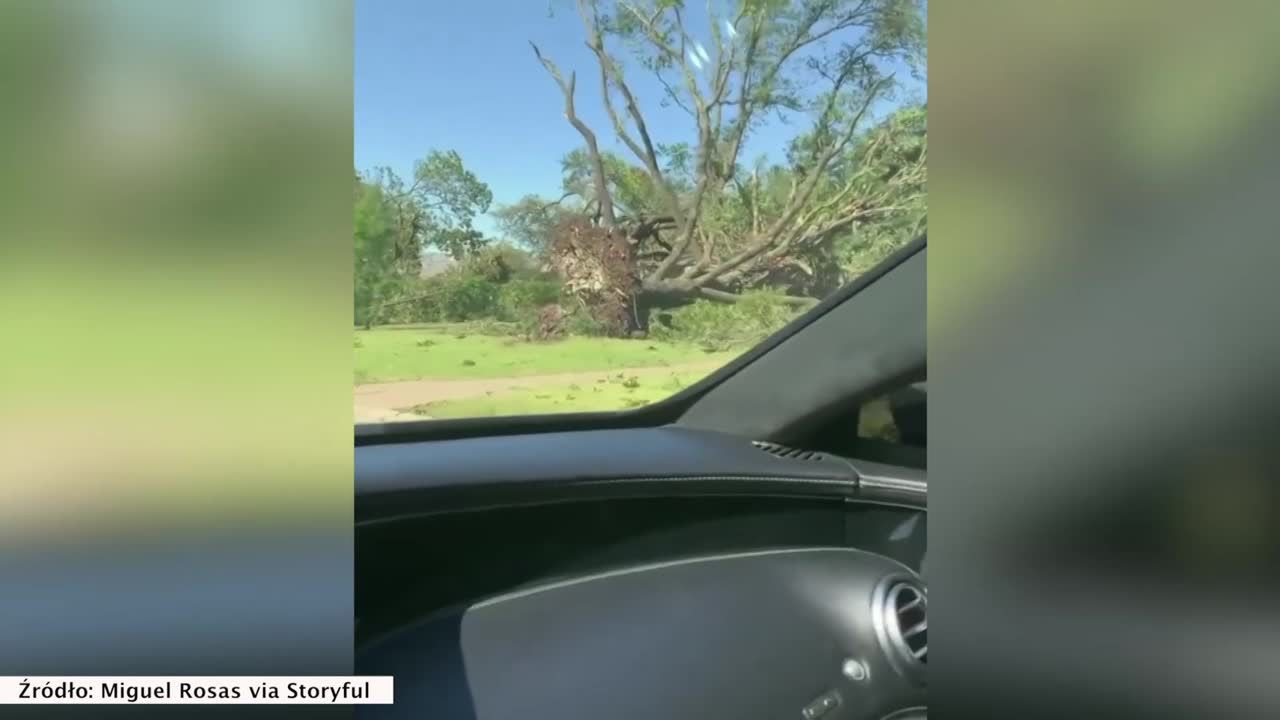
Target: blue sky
{"x":460,"y":75}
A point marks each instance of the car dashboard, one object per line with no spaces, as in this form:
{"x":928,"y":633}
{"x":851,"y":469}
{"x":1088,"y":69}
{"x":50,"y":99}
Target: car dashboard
{"x":659,"y":572}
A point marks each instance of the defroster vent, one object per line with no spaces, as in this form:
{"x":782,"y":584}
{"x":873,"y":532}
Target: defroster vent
{"x":788,"y":453}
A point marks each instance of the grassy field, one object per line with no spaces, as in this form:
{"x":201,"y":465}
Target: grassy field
{"x":459,"y":352}
{"x":617,"y":392}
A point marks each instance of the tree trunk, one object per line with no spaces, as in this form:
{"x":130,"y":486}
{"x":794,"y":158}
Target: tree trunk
{"x":655,"y":297}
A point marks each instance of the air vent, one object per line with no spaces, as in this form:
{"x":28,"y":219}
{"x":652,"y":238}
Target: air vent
{"x":901,"y":607}
{"x":788,"y":453}
{"x":909,"y":603}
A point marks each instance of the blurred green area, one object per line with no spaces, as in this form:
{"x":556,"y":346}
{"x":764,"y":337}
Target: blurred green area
{"x":176,"y":276}
{"x":1054,"y":120}
{"x":1099,"y":250}
{"x":1102,"y":354}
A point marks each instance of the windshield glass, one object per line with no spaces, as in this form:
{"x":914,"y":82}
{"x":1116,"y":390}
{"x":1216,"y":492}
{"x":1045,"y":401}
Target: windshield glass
{"x":591,"y":205}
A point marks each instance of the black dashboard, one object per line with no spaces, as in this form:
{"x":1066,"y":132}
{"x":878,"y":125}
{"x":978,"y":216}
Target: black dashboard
{"x":659,"y":572}
{"x":396,"y":480}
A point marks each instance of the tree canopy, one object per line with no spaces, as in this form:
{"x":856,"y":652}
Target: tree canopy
{"x":437,"y":207}
{"x":396,"y":221}
{"x":376,"y":274}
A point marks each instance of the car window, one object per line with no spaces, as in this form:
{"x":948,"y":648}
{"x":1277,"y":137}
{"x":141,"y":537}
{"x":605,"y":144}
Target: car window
{"x":570,"y":213}
{"x":893,"y":427}
{"x":875,"y":421}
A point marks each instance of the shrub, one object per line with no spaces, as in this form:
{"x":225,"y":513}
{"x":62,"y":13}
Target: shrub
{"x":554,"y":322}
{"x":496,"y":328}
{"x":520,"y":300}
{"x":548,"y":323}
{"x":501,"y":263}
{"x":580,"y":322}
{"x":448,"y":297}
{"x":497,"y":286}
{"x":461,"y":296}
{"x":720,"y":326}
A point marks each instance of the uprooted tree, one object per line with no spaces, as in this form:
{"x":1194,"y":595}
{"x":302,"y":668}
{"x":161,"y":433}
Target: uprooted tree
{"x":691,"y":220}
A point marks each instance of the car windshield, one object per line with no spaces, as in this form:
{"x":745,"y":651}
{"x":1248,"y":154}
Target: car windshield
{"x":592,"y":205}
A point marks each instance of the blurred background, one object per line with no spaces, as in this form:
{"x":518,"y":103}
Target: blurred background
{"x":175,"y":442}
{"x":1104,"y":358}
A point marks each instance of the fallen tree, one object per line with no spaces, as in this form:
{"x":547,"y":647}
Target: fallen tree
{"x":700,"y":224}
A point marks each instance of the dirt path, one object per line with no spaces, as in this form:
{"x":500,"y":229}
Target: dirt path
{"x":384,"y":402}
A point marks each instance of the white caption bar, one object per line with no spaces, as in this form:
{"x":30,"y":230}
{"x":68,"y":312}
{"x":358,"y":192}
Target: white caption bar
{"x":214,"y":690}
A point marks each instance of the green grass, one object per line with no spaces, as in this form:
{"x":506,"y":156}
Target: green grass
{"x":436,"y":353}
{"x":619,"y":392}
{"x":478,"y":327}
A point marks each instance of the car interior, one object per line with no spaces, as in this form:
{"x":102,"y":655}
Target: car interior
{"x":742,"y":549}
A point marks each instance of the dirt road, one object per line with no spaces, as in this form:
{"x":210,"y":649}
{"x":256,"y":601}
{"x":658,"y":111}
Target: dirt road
{"x":389,"y":402}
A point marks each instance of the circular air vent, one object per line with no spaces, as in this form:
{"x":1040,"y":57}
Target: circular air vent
{"x":902,"y":623}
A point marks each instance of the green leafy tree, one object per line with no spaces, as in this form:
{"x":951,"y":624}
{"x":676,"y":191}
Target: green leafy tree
{"x":437,"y":207}
{"x":530,"y":223}
{"x":501,"y":263}
{"x":377,"y":277}
{"x":895,"y":159}
{"x":870,"y":202}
